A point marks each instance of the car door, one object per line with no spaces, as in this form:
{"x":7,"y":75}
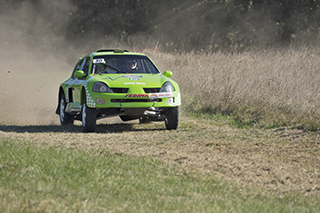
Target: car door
{"x":78,"y":82}
{"x":70,"y":84}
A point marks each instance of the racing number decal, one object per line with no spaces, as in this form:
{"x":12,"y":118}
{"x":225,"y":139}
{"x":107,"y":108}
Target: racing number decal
{"x":99,"y":61}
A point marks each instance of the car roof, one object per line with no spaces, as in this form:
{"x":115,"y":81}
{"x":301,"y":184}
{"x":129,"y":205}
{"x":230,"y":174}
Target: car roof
{"x":111,"y":52}
{"x":114,"y":52}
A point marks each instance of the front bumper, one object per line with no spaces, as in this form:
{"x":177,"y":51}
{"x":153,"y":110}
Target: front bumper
{"x":117,"y":100}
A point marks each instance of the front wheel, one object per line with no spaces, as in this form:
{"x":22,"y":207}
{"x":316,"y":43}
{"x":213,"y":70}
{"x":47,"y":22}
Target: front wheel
{"x":89,"y":117}
{"x":65,"y":118}
{"x":172,"y":118}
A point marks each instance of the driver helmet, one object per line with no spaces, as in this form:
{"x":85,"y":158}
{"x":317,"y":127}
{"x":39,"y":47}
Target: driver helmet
{"x":132,"y":64}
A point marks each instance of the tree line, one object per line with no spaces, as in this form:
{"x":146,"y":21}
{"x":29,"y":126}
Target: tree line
{"x":193,"y":24}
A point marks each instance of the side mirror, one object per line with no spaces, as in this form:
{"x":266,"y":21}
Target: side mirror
{"x":167,"y":73}
{"x":79,"y":74}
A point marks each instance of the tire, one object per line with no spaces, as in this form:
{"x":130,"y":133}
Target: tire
{"x":65,"y":118}
{"x":172,"y":118}
{"x":89,"y":117}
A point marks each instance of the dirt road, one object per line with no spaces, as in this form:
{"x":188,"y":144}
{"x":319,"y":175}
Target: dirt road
{"x":278,"y":159}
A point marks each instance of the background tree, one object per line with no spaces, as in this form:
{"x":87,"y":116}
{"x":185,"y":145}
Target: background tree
{"x":185,"y":24}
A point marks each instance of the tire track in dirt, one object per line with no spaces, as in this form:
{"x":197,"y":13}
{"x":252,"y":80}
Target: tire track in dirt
{"x":278,"y":160}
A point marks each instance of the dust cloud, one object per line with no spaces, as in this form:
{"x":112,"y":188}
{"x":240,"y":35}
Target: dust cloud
{"x":35,"y":59}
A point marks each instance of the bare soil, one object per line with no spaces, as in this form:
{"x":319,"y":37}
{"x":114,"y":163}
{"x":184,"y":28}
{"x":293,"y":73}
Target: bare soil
{"x":281,"y":160}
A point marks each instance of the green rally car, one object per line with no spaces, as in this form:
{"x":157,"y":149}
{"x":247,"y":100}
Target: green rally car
{"x":112,"y":82}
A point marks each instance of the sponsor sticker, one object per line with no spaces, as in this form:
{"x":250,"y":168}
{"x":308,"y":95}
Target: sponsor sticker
{"x":153,"y":96}
{"x":132,"y":76}
{"x":162,"y":95}
{"x":136,"y":96}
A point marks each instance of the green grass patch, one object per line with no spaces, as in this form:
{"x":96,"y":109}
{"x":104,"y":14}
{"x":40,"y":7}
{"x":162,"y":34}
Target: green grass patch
{"x":258,"y":115}
{"x":58,"y":179}
{"x":231,"y":120}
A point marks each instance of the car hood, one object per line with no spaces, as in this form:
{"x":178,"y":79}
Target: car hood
{"x":125,"y":80}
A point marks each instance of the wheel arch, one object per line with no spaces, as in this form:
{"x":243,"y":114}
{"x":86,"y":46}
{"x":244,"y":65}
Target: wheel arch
{"x":83,"y":95}
{"x":61,"y":91}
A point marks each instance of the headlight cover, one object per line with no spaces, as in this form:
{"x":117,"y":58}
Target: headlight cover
{"x":167,"y":87}
{"x":101,"y":87}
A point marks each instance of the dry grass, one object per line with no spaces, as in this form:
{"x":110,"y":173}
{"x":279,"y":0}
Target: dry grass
{"x":272,"y":88}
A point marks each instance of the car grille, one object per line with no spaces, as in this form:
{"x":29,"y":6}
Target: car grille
{"x":135,"y":100}
{"x":151,"y":90}
{"x":120,"y":90}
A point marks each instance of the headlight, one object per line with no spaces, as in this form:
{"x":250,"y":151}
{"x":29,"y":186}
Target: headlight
{"x":101,"y":87}
{"x":167,"y":87}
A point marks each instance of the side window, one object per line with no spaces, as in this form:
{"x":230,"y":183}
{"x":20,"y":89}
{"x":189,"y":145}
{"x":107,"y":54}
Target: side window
{"x":85,"y":68}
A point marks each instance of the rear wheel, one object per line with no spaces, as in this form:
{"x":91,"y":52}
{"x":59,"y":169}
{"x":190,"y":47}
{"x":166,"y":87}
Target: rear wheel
{"x":65,"y":118}
{"x":172,"y":118}
{"x":89,"y":118}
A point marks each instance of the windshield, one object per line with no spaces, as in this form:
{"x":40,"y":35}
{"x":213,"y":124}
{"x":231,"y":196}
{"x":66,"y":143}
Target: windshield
{"x":122,"y":64}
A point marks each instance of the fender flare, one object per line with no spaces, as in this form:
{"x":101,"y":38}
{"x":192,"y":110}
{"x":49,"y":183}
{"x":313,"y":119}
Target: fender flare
{"x":61,"y":91}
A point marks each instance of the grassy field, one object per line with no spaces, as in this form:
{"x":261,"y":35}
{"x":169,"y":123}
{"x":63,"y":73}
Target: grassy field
{"x":205,"y":166}
{"x":208,"y":165}
{"x":58,"y":179}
